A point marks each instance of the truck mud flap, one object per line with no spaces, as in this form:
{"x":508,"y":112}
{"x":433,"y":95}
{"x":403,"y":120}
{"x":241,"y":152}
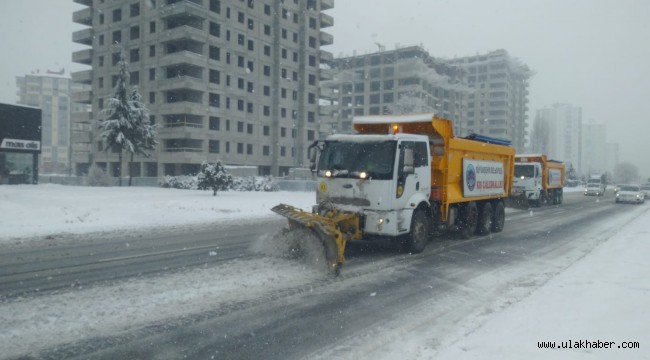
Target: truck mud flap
{"x":517,"y":202}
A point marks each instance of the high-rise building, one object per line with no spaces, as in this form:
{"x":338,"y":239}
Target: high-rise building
{"x":499,"y":104}
{"x":50,"y":92}
{"x":557,"y":132}
{"x":594,"y":148}
{"x":236,"y":81}
{"x":393,"y":81}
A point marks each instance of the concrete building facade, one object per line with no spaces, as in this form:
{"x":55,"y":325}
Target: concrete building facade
{"x":236,"y":81}
{"x":594,"y":148}
{"x":498,"y":105}
{"x":557,"y":132}
{"x":50,"y":92}
{"x":376,"y":83}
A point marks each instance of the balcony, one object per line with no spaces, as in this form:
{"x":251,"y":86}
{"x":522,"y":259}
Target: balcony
{"x":83,"y":77}
{"x":81,"y":137}
{"x":83,"y":16}
{"x":84,"y":2}
{"x":84,"y":117}
{"x":84,"y":37}
{"x":181,"y":82}
{"x":81,"y":157}
{"x":183,"y":9}
{"x":184,"y":107}
{"x":326,"y":57}
{"x":326,"y":39}
{"x":182,"y":57}
{"x":326,"y":74}
{"x":83,"y":56}
{"x":326,"y":20}
{"x":83,"y":97}
{"x":184,"y":32}
{"x":326,"y":4}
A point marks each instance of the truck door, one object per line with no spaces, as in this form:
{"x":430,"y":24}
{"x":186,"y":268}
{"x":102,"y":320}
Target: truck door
{"x":417,"y":182}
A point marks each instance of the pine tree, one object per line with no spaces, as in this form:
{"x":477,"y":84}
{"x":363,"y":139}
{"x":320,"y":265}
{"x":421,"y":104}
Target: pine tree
{"x":214,"y":177}
{"x":125,"y":121}
{"x":146,"y":132}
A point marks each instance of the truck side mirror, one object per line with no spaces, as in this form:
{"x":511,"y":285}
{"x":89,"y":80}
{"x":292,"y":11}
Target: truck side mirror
{"x":408,"y":161}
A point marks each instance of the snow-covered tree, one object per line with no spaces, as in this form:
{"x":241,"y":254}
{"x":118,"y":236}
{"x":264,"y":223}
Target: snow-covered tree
{"x":408,"y":103}
{"x":145,"y":132}
{"x":125,"y":121}
{"x":214,"y":177}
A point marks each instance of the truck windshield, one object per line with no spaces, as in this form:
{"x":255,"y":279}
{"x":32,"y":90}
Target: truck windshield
{"x":527,"y":171}
{"x":349,"y":159}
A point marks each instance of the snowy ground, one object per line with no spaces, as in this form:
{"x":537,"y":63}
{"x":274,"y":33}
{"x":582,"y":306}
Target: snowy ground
{"x":602,"y":297}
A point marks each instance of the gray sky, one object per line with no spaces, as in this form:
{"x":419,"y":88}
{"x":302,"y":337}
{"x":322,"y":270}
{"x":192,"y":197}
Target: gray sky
{"x":590,"y":53}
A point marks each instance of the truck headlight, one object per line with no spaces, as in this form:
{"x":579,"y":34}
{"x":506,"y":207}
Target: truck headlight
{"x":328,"y":173}
{"x":363,"y":175}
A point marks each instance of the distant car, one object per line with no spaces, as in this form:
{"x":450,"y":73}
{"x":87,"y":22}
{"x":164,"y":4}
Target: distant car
{"x":617,"y":188}
{"x":646,"y":189}
{"x":594,"y":189}
{"x":630,"y":194}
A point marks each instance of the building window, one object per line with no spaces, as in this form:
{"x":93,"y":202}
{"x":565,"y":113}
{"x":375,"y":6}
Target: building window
{"x":214,"y":100}
{"x":134,"y":33}
{"x":283,"y":151}
{"x":215,"y":29}
{"x":310,"y":135}
{"x":251,"y":24}
{"x":267,"y":9}
{"x":215,"y":53}
{"x":267,"y":30}
{"x":240,"y":148}
{"x":134,"y":9}
{"x":267,"y":90}
{"x":283,"y":132}
{"x":117,"y":15}
{"x":134,"y":55}
{"x":240,"y":126}
{"x":266,"y":130}
{"x":117,"y":36}
{"x":135,"y":78}
{"x":215,"y":6}
{"x":152,"y":97}
{"x":213,"y":146}
{"x":249,"y":108}
{"x":100,"y":40}
{"x":249,"y":149}
{"x":265,"y":150}
{"x":215,"y":76}
{"x":152,"y":27}
{"x":215,"y":123}
{"x":152,"y":50}
{"x":267,"y":110}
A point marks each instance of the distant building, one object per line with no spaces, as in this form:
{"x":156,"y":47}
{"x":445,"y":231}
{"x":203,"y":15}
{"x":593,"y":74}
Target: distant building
{"x":499,"y":104}
{"x":50,"y":92}
{"x":594,"y":148}
{"x":375,"y":83}
{"x":20,"y":144}
{"x":236,"y":81}
{"x":557,"y":132}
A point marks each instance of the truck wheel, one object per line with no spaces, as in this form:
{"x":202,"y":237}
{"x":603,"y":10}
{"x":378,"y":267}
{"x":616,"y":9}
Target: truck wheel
{"x":468,"y":220}
{"x":484,"y":225}
{"x":560,"y":196}
{"x":420,"y":230}
{"x":498,"y":217}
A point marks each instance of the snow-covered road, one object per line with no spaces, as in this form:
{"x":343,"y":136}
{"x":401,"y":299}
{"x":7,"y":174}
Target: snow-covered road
{"x":489,"y":299}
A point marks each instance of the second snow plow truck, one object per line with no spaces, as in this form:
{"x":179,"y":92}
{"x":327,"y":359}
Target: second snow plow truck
{"x":538,"y":180}
{"x":405,"y":177}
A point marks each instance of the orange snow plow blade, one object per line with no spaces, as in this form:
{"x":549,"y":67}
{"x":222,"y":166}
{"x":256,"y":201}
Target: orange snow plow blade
{"x":334,"y":229}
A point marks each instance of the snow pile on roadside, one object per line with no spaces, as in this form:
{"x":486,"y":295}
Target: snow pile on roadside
{"x":34,"y":324}
{"x":36,"y":210}
{"x":603,"y":297}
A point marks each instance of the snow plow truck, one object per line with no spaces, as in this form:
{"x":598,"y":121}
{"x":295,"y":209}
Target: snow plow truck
{"x":538,"y":180}
{"x":405,"y":177}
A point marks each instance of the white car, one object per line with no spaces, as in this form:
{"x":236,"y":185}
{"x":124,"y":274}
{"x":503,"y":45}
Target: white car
{"x":630,"y":194}
{"x":594,"y":189}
